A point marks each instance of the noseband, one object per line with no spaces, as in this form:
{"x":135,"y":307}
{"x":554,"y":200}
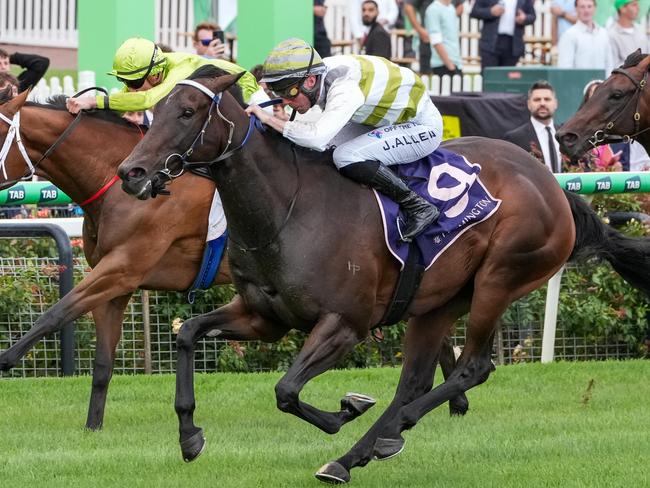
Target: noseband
{"x":603,"y":135}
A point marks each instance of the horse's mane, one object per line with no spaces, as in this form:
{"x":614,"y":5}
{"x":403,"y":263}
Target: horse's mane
{"x":634,"y":59}
{"x":211,"y":71}
{"x":57,"y":102}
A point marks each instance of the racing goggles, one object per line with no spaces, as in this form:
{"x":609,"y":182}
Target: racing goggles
{"x":286,"y":91}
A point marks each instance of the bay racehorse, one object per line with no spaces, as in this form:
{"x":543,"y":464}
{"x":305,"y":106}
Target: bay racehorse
{"x":618,"y":111}
{"x":296,"y":226}
{"x":129,"y":244}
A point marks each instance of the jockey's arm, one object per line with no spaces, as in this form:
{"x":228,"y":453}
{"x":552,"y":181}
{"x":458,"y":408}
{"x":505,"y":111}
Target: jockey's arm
{"x":343,"y":99}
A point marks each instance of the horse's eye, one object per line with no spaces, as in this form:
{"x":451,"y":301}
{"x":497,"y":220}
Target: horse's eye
{"x":617,"y":95}
{"x":187,"y":113}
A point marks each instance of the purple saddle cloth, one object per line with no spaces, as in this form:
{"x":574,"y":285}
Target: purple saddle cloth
{"x":452,"y":184}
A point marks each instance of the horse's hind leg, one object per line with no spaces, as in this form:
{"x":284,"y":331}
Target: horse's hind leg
{"x":460,"y":404}
{"x":108,"y":324}
{"x":232,"y":321}
{"x":422,"y":344}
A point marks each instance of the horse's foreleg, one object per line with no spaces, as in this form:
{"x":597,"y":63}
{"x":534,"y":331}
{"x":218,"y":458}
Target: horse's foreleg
{"x":327,"y":343}
{"x":108,"y":325}
{"x":234,"y":322}
{"x":424,"y":338}
{"x":109,"y":279}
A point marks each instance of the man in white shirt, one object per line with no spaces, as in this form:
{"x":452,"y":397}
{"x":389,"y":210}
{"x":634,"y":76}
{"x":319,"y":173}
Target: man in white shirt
{"x":585,"y":44}
{"x":626,"y":36}
{"x":538,"y":136}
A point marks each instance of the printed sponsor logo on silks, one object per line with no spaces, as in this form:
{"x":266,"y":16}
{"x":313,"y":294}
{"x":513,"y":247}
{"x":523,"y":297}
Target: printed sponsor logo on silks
{"x":409,"y":140}
{"x":375,"y":133}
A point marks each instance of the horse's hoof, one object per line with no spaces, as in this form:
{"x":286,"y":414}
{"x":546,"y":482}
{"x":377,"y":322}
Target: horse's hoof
{"x":458,"y":407}
{"x":192,"y":447}
{"x":333,"y":473}
{"x":388,"y":448}
{"x":357,"y":403}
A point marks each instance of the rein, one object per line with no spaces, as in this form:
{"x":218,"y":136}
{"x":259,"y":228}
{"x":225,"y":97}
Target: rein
{"x":602,"y":135}
{"x":254,"y":123}
{"x":14,"y":132}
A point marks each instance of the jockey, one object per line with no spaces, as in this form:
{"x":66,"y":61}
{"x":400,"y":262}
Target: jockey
{"x":401,"y":123}
{"x":150,"y":74}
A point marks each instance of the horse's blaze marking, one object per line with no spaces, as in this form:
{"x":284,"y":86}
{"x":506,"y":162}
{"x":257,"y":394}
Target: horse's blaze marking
{"x":353,"y":267}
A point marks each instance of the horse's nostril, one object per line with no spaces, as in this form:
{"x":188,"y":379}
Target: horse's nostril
{"x":136,"y":174}
{"x":568,"y":139}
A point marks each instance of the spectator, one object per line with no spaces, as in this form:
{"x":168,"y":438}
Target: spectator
{"x":34,"y":67}
{"x":631,"y":156}
{"x":502,"y":36}
{"x":564,"y":16}
{"x":413,"y":8}
{"x":7,"y":79}
{"x":538,"y":136}
{"x":322,"y":43}
{"x":206,"y":43}
{"x":376,"y":42}
{"x":625,"y":35}
{"x":585,"y":44}
{"x":442,"y":26}
{"x":388,"y":13}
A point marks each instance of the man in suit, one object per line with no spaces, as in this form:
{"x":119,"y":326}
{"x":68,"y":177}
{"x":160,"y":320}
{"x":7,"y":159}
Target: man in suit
{"x":376,"y":42}
{"x":538,"y":135}
{"x":502,"y":36}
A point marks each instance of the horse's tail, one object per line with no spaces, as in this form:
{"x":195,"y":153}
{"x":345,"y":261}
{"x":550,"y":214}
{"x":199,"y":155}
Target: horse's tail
{"x":629,"y":256}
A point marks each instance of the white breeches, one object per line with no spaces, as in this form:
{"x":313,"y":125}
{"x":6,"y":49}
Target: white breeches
{"x":393,"y":144}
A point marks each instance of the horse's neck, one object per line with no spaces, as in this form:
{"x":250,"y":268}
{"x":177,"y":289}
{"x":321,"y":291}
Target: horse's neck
{"x":82,"y":163}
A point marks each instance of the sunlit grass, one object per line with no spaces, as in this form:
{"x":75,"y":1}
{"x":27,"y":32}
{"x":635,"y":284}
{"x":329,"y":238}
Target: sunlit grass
{"x":528,"y":426}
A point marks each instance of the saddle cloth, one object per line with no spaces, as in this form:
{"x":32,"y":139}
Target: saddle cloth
{"x":452,"y":184}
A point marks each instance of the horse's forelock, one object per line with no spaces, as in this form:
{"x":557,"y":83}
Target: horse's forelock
{"x":210,"y":71}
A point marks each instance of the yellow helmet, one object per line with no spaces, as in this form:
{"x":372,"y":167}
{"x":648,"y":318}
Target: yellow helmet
{"x":136,"y":59}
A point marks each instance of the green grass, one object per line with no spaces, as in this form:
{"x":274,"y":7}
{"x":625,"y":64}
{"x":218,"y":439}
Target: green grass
{"x":527,"y":427}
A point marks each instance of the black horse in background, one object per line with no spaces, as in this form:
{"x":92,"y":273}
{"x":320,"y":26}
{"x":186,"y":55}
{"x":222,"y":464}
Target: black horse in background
{"x":296,"y":226}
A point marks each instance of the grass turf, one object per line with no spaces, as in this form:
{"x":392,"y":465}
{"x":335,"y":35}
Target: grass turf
{"x":529,"y":425}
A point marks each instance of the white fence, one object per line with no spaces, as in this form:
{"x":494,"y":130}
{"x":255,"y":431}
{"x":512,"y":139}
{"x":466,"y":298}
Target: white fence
{"x":51,"y":23}
{"x":436,"y":85}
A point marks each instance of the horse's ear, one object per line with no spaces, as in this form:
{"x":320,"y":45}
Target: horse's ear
{"x":226,"y":81}
{"x":13,"y":105}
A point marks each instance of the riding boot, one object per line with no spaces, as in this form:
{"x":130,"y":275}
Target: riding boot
{"x":419,"y":213}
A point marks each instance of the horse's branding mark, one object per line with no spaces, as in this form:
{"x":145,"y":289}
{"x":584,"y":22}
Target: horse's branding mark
{"x":353,"y":267}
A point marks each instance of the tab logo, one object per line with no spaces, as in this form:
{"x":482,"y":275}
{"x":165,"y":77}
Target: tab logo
{"x":633,"y":184}
{"x":48,"y":194}
{"x":604,"y":184}
{"x":574,"y":185}
{"x":16,"y":194}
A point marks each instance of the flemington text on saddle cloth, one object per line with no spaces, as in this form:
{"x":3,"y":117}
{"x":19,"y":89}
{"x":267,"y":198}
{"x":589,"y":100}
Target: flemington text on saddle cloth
{"x":452,"y":184}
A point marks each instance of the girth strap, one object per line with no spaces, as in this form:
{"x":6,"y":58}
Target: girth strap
{"x":408,"y":283}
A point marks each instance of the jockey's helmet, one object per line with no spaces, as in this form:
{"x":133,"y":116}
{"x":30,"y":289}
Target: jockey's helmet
{"x":288,"y":64}
{"x":135,"y":60}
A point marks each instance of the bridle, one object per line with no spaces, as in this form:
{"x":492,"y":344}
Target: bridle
{"x":165,"y":174}
{"x":14,"y":134}
{"x":604,"y":135}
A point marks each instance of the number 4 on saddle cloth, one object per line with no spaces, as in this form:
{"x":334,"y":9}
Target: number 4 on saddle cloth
{"x":452,"y":184}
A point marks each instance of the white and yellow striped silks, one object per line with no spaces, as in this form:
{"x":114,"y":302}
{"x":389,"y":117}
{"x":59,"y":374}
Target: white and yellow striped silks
{"x":392,"y":93}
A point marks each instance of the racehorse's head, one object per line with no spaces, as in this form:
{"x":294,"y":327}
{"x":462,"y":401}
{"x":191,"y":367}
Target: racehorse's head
{"x":12,"y":163}
{"x":618,"y":110}
{"x":188,"y":126}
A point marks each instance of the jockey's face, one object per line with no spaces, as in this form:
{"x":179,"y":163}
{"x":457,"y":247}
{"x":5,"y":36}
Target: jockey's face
{"x":301,"y":103}
{"x":149,"y":83}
